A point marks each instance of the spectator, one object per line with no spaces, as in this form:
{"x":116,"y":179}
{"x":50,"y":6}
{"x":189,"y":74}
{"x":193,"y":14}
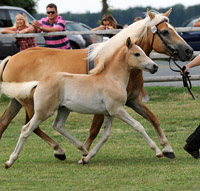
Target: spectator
{"x":22,"y":26}
{"x":53,"y":23}
{"x":193,"y":141}
{"x":108,"y":22}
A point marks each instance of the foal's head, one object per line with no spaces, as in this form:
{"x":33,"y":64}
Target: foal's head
{"x":136,"y":58}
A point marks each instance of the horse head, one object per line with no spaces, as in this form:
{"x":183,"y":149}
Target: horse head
{"x":138,"y":59}
{"x":164,"y":39}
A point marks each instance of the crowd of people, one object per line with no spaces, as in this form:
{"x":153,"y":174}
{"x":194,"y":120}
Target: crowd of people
{"x":54,"y":23}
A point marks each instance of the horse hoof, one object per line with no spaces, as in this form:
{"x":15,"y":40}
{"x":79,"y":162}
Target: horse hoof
{"x":160,"y":156}
{"x":60,"y":157}
{"x":6,"y":165}
{"x":170,"y":155}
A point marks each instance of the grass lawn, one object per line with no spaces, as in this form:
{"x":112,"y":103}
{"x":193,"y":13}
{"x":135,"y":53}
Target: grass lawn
{"x":124,"y":163}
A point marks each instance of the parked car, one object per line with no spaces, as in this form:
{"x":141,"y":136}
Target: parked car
{"x":7,"y":44}
{"x":192,"y":38}
{"x":76,"y":26}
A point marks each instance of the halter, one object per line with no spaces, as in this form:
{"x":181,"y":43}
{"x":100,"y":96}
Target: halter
{"x":155,"y":30}
{"x":185,"y":75}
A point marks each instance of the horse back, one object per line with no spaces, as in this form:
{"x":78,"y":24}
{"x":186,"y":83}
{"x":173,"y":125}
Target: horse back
{"x":36,"y":63}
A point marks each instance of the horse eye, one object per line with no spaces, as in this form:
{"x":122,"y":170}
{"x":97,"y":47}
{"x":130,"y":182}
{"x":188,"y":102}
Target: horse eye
{"x":165,"y":32}
{"x":137,"y":54}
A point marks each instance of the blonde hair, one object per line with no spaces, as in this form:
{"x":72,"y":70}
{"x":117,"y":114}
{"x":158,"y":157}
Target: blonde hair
{"x":23,"y":17}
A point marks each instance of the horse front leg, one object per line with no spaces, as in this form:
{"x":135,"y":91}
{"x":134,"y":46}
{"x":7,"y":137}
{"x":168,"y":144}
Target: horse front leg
{"x":105,"y":135}
{"x":138,"y":106}
{"x":58,"y":151}
{"x":94,"y":130}
{"x":11,"y":111}
{"x":124,"y":116}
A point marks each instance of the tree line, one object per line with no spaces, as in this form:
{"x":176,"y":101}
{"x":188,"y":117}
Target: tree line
{"x":180,"y":14}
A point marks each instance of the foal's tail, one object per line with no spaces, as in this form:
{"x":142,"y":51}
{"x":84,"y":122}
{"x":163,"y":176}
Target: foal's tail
{"x":3,"y":65}
{"x":18,"y":90}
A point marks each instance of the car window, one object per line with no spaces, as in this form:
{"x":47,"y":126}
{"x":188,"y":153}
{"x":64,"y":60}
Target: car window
{"x":4,"y":19}
{"x":190,"y":24}
{"x":13,"y":13}
{"x":75,"y":27}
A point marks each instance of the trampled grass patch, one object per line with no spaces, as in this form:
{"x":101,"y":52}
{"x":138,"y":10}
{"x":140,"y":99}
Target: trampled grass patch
{"x":125,"y":162}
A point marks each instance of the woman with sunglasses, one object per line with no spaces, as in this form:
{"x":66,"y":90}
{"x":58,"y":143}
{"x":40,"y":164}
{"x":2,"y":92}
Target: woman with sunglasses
{"x":53,"y":23}
{"x":21,"y":25}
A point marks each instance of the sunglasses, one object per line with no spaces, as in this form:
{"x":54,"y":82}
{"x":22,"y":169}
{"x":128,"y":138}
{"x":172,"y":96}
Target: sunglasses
{"x":51,"y":12}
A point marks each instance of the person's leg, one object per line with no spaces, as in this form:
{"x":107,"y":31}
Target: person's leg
{"x":193,"y":143}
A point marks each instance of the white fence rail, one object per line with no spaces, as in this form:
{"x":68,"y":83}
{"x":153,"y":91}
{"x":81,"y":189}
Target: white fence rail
{"x":98,"y":37}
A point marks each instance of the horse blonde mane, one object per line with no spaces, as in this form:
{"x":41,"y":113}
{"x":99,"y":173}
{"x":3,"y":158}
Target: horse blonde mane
{"x":104,"y":50}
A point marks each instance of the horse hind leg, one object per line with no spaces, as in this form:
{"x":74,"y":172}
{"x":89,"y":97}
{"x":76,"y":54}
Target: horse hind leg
{"x":59,"y":125}
{"x":106,"y":134}
{"x":25,"y":133}
{"x":124,"y":116}
{"x":59,"y":153}
{"x":11,"y":111}
{"x":142,"y":109}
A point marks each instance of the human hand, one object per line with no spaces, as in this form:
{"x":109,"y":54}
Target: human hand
{"x":36,"y":24}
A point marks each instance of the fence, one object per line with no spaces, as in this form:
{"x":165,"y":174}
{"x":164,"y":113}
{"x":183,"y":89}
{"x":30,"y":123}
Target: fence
{"x":98,"y":37}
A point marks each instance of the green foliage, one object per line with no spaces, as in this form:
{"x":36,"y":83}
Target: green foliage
{"x":125,"y":162}
{"x":28,"y":5}
{"x":178,"y":17}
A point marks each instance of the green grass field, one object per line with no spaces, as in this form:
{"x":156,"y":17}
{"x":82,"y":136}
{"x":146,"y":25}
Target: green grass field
{"x":124,"y":163}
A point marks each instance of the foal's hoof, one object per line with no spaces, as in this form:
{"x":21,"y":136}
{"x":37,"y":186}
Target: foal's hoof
{"x":7,"y":166}
{"x":83,"y":161}
{"x":60,"y":157}
{"x":170,"y":155}
{"x":160,"y":155}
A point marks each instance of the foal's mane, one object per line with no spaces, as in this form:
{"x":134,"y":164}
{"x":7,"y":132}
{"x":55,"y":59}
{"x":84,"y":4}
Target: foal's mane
{"x":104,"y":50}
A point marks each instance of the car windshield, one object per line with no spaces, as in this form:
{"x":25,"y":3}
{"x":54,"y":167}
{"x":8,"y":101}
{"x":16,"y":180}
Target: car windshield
{"x":75,"y":27}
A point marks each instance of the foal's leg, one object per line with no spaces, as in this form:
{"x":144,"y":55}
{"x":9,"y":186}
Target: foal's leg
{"x":11,"y":111}
{"x":25,"y":133}
{"x":94,"y":130}
{"x":138,"y":106}
{"x":59,"y":125}
{"x":106,"y":133}
{"x":58,"y":151}
{"x":124,"y":116}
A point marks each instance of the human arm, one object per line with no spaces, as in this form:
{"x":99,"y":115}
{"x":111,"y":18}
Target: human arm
{"x":101,"y":27}
{"x":193,"y":63}
{"x":29,"y":29}
{"x":8,"y":30}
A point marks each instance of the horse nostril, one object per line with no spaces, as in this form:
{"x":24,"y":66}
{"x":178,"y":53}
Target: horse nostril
{"x":189,"y":51}
{"x":155,"y":67}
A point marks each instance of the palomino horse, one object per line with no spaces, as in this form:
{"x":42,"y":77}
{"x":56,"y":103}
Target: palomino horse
{"x":87,"y":94}
{"x":36,"y":63}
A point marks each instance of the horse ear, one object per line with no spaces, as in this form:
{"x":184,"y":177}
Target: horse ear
{"x":128,"y":42}
{"x":151,"y":15}
{"x":168,"y":12}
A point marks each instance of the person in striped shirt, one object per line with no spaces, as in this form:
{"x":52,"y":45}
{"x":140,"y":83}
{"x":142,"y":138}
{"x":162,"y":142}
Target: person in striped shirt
{"x":53,"y":23}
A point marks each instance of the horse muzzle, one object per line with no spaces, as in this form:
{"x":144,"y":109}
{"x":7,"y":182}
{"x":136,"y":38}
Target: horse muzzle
{"x":152,"y":68}
{"x":184,"y":53}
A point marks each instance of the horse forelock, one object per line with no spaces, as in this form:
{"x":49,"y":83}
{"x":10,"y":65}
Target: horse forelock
{"x":104,"y":50}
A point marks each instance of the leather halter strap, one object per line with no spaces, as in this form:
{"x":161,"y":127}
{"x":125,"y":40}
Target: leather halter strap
{"x":155,"y":30}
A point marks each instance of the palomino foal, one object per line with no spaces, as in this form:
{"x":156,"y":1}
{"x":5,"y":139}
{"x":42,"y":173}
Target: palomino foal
{"x":97,"y":93}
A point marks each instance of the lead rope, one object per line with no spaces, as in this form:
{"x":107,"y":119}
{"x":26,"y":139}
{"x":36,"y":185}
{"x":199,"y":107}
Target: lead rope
{"x":185,"y":76}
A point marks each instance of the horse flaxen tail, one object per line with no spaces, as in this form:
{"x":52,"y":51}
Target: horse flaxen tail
{"x":18,"y":90}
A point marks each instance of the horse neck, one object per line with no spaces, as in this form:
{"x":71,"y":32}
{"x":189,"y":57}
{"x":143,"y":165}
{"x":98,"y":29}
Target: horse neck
{"x":145,"y":42}
{"x":117,"y":67}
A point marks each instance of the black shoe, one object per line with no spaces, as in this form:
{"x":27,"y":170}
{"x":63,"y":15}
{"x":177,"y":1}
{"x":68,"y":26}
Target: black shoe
{"x":194,"y":153}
